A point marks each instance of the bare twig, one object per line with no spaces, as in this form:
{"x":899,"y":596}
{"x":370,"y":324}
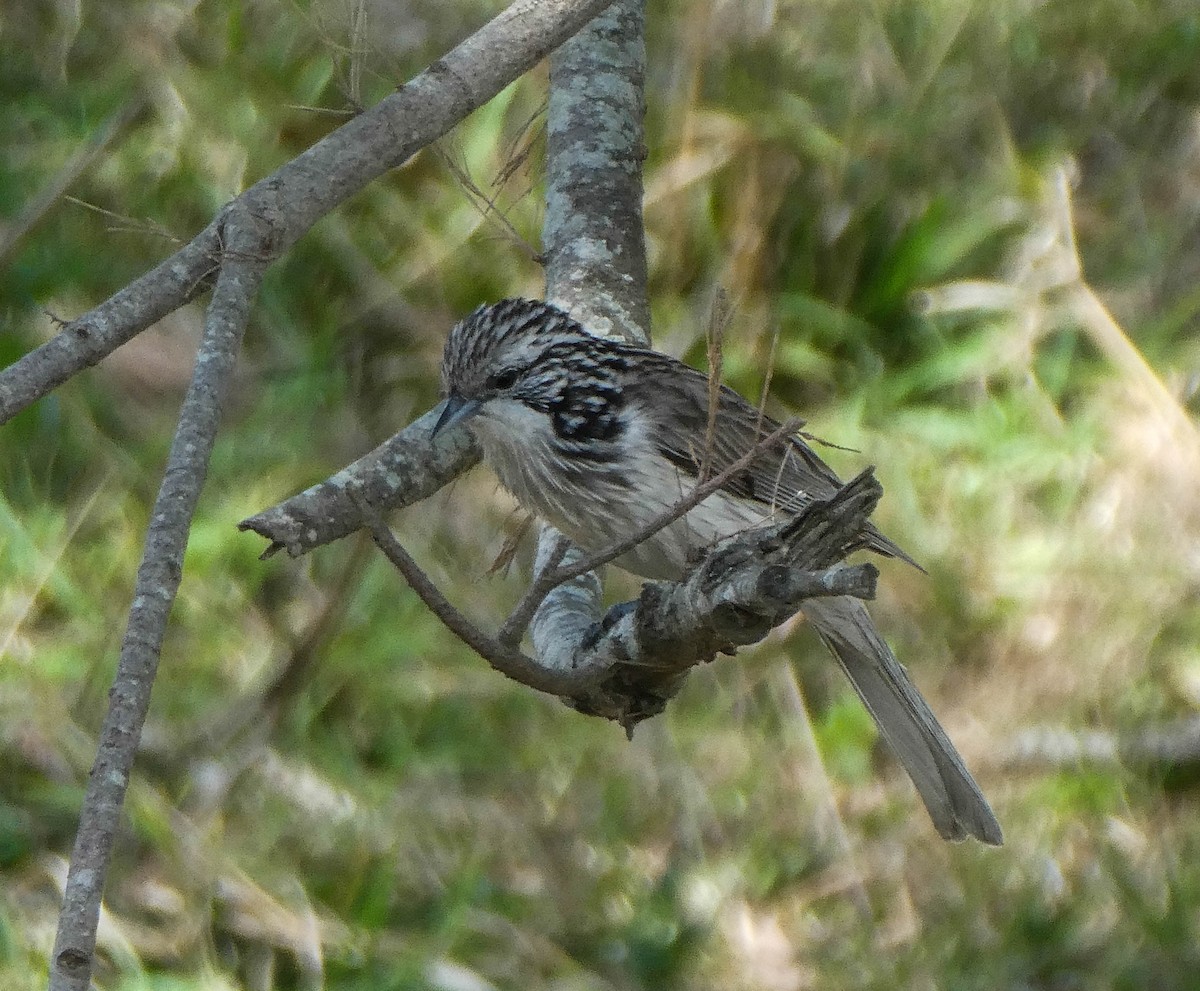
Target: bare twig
{"x":406,"y":468}
{"x":746,"y":585}
{"x":126,"y":224}
{"x":503,"y":658}
{"x":157,"y":582}
{"x":96,"y":334}
{"x":580,"y":217}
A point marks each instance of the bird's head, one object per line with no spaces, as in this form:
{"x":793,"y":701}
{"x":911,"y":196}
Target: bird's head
{"x":522,"y":357}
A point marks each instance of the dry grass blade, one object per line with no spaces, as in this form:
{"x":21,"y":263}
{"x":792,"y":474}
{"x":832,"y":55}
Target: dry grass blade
{"x":358,"y":33}
{"x":519,"y":150}
{"x":718,"y":320}
{"x":766,"y":386}
{"x":518,"y":620}
{"x":508,"y":552}
{"x":485,"y":204}
{"x":1103,"y":328}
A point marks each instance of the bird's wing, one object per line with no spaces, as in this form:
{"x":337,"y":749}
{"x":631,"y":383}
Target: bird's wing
{"x":675,"y":398}
{"x":789,"y":474}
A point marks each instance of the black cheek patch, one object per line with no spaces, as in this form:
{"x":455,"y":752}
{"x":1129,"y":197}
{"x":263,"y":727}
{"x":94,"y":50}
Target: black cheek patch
{"x":588,"y":415}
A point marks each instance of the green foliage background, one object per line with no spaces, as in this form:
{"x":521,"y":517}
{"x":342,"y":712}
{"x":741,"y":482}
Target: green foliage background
{"x":333,"y":790}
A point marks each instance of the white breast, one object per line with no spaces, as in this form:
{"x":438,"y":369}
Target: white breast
{"x":591,"y":508}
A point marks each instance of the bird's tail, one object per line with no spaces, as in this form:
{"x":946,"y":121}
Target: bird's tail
{"x":954,"y":801}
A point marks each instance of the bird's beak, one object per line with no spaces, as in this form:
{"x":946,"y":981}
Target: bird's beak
{"x":455,"y":409}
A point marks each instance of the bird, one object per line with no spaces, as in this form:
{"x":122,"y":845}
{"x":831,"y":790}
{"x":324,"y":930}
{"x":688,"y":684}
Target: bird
{"x":597,"y":436}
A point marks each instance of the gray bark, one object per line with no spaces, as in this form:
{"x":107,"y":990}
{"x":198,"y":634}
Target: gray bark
{"x":594,"y":243}
{"x":593,"y":235}
{"x":157,"y":582}
{"x":404,"y":469}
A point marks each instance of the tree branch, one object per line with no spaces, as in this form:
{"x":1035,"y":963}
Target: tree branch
{"x":404,"y":469}
{"x":595,"y":244}
{"x":304,"y":190}
{"x":247,"y":254}
{"x":593,"y":235}
{"x":626,"y":665}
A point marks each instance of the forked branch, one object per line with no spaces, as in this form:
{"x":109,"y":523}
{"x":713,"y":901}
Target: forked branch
{"x":631,"y":662}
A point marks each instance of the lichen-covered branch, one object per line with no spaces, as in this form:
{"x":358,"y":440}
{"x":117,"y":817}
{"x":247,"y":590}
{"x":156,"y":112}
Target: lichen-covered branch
{"x":593,"y":238}
{"x":247,"y":254}
{"x":404,"y":469}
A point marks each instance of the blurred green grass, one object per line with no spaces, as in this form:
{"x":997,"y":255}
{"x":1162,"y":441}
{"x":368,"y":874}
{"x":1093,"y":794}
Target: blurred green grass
{"x":330,"y":785}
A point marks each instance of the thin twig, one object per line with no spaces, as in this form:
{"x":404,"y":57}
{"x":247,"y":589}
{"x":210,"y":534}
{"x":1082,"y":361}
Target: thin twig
{"x":504,"y":659}
{"x":669,"y":516}
{"x":157,"y":582}
{"x":518,"y":620}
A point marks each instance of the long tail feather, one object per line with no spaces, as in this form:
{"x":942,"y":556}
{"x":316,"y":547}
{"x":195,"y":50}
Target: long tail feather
{"x":954,"y":801}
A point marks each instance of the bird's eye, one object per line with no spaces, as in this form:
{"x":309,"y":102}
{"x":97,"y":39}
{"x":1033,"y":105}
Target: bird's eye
{"x":504,"y":380}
